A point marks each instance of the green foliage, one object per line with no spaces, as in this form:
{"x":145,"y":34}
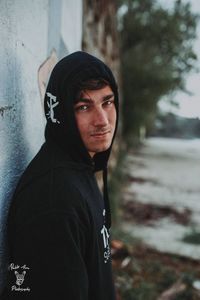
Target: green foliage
{"x":167,"y":279}
{"x":193,"y":237}
{"x":156,"y":54}
{"x":144,"y":291}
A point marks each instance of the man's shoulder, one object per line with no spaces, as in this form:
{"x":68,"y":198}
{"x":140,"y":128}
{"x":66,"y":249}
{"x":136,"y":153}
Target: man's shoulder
{"x":50,"y":162}
{"x":49,"y":193}
{"x":48,"y":183}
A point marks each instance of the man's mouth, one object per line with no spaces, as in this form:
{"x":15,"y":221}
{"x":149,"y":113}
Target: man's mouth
{"x":100,"y":134}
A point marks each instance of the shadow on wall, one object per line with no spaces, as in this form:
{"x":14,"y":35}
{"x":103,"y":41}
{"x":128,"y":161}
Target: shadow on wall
{"x":14,"y":148}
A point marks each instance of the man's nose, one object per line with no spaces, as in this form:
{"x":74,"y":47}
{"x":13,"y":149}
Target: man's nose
{"x":100,"y":118}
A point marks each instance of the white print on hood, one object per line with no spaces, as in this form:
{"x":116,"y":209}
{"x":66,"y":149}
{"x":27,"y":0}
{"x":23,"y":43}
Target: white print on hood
{"x":52,"y":104}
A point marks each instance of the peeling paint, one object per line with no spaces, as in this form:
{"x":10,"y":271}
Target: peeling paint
{"x":5,"y":108}
{"x":44,"y":72}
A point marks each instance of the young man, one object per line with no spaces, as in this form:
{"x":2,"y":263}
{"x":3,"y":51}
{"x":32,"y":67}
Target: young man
{"x":59,"y":221}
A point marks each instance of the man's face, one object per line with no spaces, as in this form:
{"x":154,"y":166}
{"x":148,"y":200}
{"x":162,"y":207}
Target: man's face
{"x":96,"y":118}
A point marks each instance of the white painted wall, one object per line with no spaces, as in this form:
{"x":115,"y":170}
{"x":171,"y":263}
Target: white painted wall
{"x":29,"y":31}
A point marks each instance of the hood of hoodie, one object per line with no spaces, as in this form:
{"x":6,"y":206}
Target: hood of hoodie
{"x":64,"y":82}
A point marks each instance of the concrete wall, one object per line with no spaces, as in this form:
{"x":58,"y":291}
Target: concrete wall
{"x":29,"y":31}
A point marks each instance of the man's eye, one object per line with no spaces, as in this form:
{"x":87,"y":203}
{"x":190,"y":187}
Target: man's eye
{"x":109,"y":102}
{"x":81,"y":108}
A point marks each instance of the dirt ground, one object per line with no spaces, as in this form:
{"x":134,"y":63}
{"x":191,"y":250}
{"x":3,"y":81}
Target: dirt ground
{"x":143,"y":273}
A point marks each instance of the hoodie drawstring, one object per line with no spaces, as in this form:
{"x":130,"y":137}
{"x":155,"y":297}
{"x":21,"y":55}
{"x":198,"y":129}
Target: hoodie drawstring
{"x":106,"y":198}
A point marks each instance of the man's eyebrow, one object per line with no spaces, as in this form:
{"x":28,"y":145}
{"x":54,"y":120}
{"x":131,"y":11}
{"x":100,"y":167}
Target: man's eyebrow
{"x":107,"y":97}
{"x":84,"y":100}
{"x":88,"y":100}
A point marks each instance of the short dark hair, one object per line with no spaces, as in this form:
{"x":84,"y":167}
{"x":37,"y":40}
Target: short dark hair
{"x":91,"y":84}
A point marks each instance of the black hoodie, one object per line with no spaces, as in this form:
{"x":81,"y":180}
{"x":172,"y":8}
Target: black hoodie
{"x":58,"y":224}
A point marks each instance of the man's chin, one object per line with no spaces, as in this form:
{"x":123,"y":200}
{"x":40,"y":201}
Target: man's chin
{"x":100,"y":149}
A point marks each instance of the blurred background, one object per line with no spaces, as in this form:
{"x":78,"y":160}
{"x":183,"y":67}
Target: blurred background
{"x":153,"y":47}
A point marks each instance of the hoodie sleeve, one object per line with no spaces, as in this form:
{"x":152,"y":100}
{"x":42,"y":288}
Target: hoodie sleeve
{"x":52,"y":247}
